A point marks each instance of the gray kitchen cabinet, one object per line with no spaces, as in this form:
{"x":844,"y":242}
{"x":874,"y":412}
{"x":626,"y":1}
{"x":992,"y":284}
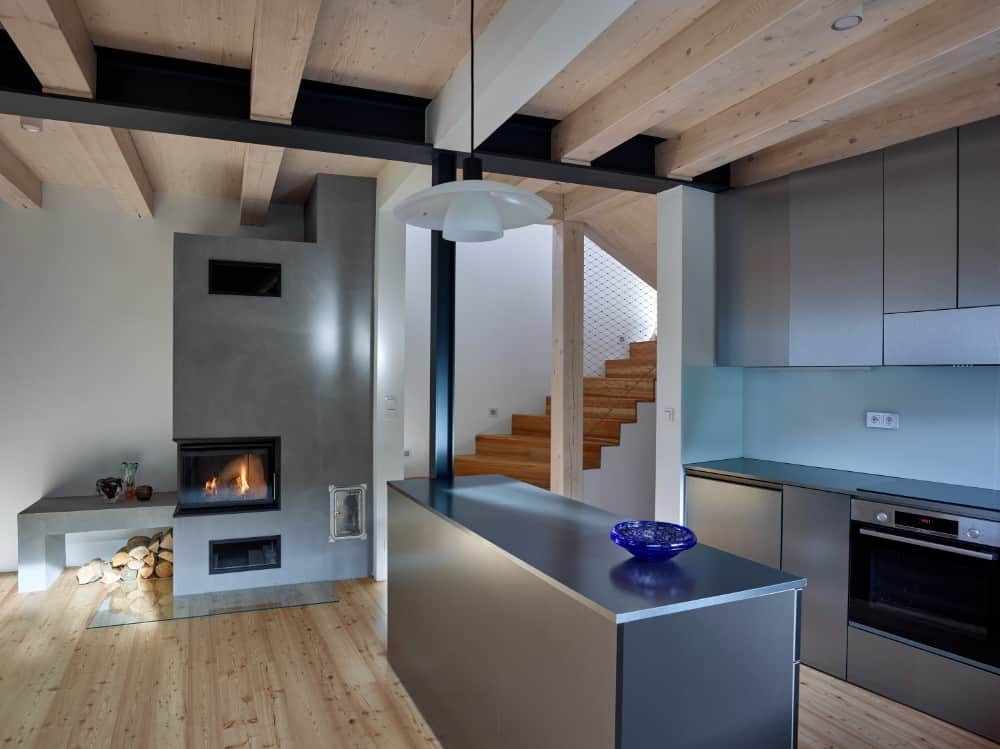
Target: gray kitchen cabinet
{"x":816,"y":532}
{"x":946,"y":337}
{"x":752,"y":276}
{"x":978,"y":217}
{"x":921,"y":224}
{"x":741,"y":519}
{"x":835,"y":271}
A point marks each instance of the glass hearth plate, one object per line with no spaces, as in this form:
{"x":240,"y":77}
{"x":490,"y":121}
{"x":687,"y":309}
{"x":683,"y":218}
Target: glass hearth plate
{"x":143,"y":601}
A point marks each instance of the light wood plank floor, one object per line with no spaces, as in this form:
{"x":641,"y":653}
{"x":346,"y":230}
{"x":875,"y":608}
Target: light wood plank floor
{"x":298,"y":677}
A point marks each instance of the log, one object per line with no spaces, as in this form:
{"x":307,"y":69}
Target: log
{"x":138,"y":552}
{"x":137,"y":541}
{"x":128,"y":574}
{"x":154,"y":546}
{"x":134,"y":564}
{"x":164,"y":569}
{"x":149,"y":560}
{"x":167,"y":542}
{"x":91,"y":571}
{"x":111,"y":577}
{"x":146,"y":572}
{"x":120,"y":559}
{"x":166,"y":556}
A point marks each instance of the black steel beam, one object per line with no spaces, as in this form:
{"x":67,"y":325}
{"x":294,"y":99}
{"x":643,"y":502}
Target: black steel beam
{"x":166,"y":95}
{"x":442,"y":415}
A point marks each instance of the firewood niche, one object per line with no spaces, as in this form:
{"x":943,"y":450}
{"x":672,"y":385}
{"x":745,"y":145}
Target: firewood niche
{"x":142,"y":557}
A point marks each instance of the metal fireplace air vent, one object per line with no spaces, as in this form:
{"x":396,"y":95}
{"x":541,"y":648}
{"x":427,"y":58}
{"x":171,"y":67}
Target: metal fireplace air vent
{"x":244,"y":278}
{"x":347,"y":512}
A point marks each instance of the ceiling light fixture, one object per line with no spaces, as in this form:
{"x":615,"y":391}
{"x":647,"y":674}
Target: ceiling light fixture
{"x":851,"y":21}
{"x":474,"y":209}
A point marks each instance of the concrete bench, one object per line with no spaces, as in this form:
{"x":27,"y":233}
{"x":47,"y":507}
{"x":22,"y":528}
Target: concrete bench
{"x":42,"y":529}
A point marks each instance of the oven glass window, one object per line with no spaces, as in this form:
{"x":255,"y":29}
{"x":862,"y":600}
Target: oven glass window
{"x":937,"y":598}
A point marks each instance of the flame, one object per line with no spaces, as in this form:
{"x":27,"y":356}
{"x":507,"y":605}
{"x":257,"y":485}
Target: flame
{"x":212,"y":486}
{"x":243,"y":486}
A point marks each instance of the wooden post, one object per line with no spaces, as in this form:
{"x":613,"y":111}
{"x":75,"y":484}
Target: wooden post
{"x":567,"y":359}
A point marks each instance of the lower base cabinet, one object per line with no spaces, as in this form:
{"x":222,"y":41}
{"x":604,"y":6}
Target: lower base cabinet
{"x":802,"y":531}
{"x":815,"y":544}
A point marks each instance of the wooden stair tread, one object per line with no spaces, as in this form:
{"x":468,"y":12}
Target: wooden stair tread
{"x":532,"y":472}
{"x":532,"y":447}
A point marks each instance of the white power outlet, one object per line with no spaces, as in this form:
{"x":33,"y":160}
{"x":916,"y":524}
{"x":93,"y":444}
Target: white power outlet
{"x":881,"y":420}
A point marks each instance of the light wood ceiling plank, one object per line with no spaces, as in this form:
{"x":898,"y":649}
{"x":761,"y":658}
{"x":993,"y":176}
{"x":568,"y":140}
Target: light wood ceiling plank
{"x":19,"y":186}
{"x":299,"y":169}
{"x":628,"y":234}
{"x":52,"y":37}
{"x":54,"y":155}
{"x":942,"y":36}
{"x":214,"y":31}
{"x":957,"y":99}
{"x":682,"y":69}
{"x":402,"y":46}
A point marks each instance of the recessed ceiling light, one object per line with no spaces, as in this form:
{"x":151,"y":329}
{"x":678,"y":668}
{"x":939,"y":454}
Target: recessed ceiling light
{"x":31,"y":124}
{"x":851,"y":21}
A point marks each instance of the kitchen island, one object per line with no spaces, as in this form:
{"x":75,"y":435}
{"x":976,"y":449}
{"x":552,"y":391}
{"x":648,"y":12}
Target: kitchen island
{"x":515,"y":622}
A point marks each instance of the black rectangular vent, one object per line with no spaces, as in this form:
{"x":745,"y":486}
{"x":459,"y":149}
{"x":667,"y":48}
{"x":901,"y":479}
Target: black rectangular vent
{"x":244,"y":554}
{"x":244,"y":279}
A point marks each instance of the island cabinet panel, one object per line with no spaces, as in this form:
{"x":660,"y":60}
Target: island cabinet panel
{"x":816,"y":531}
{"x":978,"y":214}
{"x":835,"y":272}
{"x":752,"y":276}
{"x":921,"y":224}
{"x":745,"y":650}
{"x":743,"y":520}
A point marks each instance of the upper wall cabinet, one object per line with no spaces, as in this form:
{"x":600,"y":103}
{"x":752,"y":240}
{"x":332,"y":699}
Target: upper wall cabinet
{"x":800,"y":269}
{"x":979,"y":214}
{"x":752,"y":282}
{"x":921,"y":224}
{"x":835,"y":271}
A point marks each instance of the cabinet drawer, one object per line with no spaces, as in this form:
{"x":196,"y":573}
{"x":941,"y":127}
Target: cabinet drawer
{"x":743,"y":520}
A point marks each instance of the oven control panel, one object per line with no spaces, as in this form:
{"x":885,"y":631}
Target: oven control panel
{"x":940,"y":524}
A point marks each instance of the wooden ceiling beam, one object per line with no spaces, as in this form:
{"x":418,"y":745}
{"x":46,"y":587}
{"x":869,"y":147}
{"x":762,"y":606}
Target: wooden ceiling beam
{"x":524,"y":47}
{"x":668,"y":78}
{"x":282,"y":35}
{"x":52,"y":37}
{"x":19,"y":187}
{"x":953,"y":103}
{"x":940,"y":37}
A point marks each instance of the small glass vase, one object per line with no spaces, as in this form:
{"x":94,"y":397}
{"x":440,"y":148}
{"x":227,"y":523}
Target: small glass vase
{"x":129,"y":470}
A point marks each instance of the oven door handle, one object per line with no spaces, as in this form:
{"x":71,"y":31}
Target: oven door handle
{"x":990,"y":556}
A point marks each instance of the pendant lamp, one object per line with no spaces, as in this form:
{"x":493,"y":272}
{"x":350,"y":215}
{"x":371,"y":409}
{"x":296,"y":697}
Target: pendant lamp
{"x":474,"y":209}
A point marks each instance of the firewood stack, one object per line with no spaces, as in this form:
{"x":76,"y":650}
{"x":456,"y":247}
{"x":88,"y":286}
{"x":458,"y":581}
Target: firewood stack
{"x":142,"y":557}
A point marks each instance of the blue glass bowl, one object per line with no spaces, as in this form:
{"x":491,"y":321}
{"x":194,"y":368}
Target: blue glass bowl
{"x":652,"y":540}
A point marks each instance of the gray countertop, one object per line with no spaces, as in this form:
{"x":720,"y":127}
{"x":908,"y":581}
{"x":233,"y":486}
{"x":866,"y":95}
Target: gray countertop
{"x":568,"y":542}
{"x":848,"y":482}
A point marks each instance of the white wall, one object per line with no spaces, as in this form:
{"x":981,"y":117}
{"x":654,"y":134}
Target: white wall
{"x":503,"y":335}
{"x":86,"y":336}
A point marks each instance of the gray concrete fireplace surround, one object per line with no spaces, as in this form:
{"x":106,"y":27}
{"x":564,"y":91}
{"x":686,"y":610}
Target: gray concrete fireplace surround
{"x":299,"y":367}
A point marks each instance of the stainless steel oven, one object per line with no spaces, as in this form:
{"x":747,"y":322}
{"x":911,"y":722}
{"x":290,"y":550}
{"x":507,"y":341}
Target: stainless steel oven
{"x":927,"y":576}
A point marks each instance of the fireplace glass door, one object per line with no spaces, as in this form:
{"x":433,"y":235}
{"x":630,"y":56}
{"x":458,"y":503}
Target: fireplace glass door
{"x":227,"y":474}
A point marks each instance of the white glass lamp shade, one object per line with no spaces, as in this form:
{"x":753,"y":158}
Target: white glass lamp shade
{"x":474,"y":210}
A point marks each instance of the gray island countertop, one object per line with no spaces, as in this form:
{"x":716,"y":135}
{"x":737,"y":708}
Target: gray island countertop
{"x":568,"y":542}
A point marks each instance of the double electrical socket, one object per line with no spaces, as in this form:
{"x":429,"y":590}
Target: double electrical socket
{"x":881,"y":420}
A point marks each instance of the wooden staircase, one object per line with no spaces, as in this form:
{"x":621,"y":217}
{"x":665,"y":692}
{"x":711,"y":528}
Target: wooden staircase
{"x":608,"y":402}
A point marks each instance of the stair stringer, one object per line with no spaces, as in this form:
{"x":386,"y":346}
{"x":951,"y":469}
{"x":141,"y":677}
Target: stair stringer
{"x":625,"y":483}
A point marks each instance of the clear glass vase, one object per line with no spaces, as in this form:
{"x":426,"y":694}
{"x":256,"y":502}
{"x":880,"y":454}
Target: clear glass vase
{"x":129,"y":470}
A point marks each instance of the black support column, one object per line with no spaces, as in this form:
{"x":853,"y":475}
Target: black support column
{"x":442,"y":416}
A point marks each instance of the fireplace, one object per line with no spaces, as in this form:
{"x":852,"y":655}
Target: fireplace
{"x":228,"y":475}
